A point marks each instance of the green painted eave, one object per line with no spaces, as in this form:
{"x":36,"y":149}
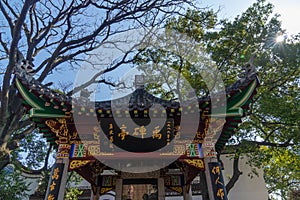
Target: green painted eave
{"x":37,"y":104}
{"x":29,"y":98}
{"x":46,"y":113}
{"x":242,"y":97}
{"x":236,"y":102}
{"x":235,"y":110}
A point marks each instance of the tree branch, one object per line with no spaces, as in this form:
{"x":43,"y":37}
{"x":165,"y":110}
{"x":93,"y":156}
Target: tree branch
{"x":7,"y":17}
{"x":272,"y":144}
{"x":4,"y":45}
{"x":28,"y":171}
{"x":93,"y":79}
{"x":16,"y":34}
{"x":236,"y":174}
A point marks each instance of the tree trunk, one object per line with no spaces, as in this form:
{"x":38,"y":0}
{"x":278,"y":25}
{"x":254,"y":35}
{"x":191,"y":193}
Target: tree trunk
{"x":236,"y":174}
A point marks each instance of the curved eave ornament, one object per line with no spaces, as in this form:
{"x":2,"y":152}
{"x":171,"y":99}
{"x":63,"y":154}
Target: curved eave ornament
{"x":236,"y":103}
{"x":239,"y":96}
{"x":38,"y":108}
{"x":236,"y":109}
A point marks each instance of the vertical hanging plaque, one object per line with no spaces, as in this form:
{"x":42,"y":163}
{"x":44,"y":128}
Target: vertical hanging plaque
{"x":55,"y":181}
{"x":217,"y":181}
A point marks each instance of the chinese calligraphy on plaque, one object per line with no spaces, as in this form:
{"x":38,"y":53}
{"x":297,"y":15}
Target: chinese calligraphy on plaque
{"x":55,"y":180}
{"x":126,"y":134}
{"x":217,"y":181}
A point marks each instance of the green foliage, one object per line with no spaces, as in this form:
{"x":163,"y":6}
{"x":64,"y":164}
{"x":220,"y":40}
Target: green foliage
{"x":275,"y":118}
{"x":177,"y":60}
{"x":281,"y":167}
{"x":33,"y":150}
{"x":194,"y":23}
{"x":30,"y":155}
{"x":233,"y":45}
{"x":12,"y":185}
{"x":72,"y":192}
{"x":274,"y":122}
{"x":271,"y":132}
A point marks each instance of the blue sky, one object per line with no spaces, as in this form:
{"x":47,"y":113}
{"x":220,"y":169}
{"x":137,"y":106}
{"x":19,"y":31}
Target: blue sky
{"x":288,"y":9}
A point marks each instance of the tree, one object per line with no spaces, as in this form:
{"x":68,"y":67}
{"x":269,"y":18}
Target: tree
{"x":271,"y":133}
{"x":278,"y":116}
{"x":11,"y":180}
{"x":55,"y":35}
{"x":72,"y":191}
{"x":273,"y":126}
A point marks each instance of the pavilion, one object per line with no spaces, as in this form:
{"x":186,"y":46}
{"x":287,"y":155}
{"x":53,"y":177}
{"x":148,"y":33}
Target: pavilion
{"x":89,"y":149}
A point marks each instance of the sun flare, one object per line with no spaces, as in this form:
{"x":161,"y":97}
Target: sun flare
{"x":279,"y":38}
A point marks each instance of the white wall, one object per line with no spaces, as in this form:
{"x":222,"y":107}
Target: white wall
{"x":245,"y":188}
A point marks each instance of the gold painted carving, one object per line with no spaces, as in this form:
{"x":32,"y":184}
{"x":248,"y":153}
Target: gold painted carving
{"x":52,"y":186}
{"x":74,"y":136}
{"x":177,"y":189}
{"x":96,"y":134}
{"x":55,"y":174}
{"x":51,"y":197}
{"x":58,"y":127}
{"x":74,"y":164}
{"x":198,"y":163}
{"x":105,"y":190}
{"x":201,"y":135}
{"x":63,"y":151}
{"x":98,"y":168}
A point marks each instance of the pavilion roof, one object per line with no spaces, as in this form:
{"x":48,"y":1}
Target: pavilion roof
{"x":44,"y":103}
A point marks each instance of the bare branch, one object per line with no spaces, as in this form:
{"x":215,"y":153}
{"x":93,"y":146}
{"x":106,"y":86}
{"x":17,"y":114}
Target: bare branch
{"x":7,"y":17}
{"x":42,"y":33}
{"x":7,"y":4}
{"x":12,"y":59}
{"x":94,"y":78}
{"x":4,"y":44}
{"x":29,"y":171}
{"x":47,"y":158}
{"x":14,"y":142}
